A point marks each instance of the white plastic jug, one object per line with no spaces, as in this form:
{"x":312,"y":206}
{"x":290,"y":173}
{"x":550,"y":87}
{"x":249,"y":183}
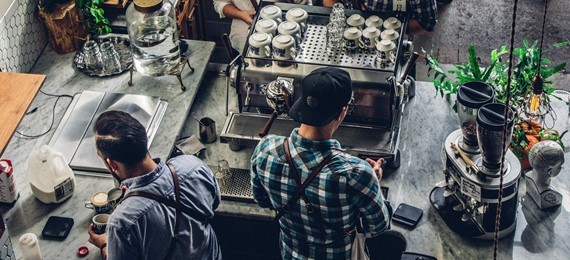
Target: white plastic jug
{"x":51,"y":179}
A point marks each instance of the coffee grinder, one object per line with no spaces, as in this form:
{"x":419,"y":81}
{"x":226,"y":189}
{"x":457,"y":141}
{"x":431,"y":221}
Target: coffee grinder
{"x":468,"y":198}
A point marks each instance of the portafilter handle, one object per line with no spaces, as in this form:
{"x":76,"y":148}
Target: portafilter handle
{"x":267,"y":126}
{"x":409,"y":66}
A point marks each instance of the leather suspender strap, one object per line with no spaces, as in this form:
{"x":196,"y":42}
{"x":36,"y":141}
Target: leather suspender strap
{"x":175,"y":205}
{"x":300,"y":192}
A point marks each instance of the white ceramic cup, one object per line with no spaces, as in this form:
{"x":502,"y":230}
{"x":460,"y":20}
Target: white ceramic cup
{"x":299,"y":16}
{"x":99,"y":202}
{"x":266,"y":26}
{"x":284,"y":47}
{"x":100,"y":223}
{"x":374,"y":21}
{"x":369,"y":37}
{"x":391,"y":35}
{"x":272,"y":12}
{"x":392,"y":23}
{"x":352,"y":38}
{"x":291,"y":28}
{"x":386,"y":51}
{"x":355,"y":20}
{"x":260,"y":45}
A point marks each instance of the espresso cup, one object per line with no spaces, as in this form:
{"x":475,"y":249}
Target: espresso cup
{"x":391,"y":35}
{"x":266,"y":26}
{"x":299,"y":16}
{"x":260,"y":45}
{"x":369,"y":37}
{"x":291,"y":28}
{"x":374,"y":21}
{"x":385,"y":52}
{"x":351,"y":38}
{"x":99,"y":202}
{"x":392,"y":23}
{"x":284,"y":47}
{"x":272,"y":12}
{"x":355,"y":20}
{"x":114,"y":196}
{"x":100,"y":223}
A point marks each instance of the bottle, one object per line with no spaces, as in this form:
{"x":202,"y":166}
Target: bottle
{"x":8,"y":192}
{"x":30,"y":247}
{"x":151,"y":25}
{"x":51,"y":179}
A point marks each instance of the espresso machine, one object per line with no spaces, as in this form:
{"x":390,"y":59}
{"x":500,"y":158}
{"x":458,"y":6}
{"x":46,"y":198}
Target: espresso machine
{"x":380,"y":92}
{"x":468,"y":198}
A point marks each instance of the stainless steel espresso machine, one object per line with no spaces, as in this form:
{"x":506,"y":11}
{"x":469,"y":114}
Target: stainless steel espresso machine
{"x":265,"y":86}
{"x":468,"y":198}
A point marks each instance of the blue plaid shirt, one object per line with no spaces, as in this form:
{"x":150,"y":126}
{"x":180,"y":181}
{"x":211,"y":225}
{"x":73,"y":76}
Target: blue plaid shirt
{"x":424,"y":11}
{"x":345,"y":188}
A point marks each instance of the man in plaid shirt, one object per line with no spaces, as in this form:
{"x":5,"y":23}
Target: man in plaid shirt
{"x":346,"y":187}
{"x":423,"y":13}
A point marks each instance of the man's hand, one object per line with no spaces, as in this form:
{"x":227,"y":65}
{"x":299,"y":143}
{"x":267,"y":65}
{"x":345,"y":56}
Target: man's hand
{"x":247,"y":16}
{"x":377,"y":166}
{"x":96,"y":239}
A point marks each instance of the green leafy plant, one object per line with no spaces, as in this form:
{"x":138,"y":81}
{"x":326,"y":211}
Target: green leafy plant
{"x":524,"y":70}
{"x":525,"y":67}
{"x":94,"y":16}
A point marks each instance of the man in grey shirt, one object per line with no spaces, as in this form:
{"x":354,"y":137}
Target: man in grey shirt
{"x":148,"y":228}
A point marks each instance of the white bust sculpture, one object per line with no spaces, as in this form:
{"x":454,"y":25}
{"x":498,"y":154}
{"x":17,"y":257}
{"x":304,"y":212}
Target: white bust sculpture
{"x":546,"y":159}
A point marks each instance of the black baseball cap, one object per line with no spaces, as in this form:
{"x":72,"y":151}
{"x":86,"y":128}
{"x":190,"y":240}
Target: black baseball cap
{"x":323,"y":93}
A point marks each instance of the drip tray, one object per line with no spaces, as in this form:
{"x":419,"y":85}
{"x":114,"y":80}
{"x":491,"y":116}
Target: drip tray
{"x":237,"y":186}
{"x":242,"y":129}
{"x":74,"y":135}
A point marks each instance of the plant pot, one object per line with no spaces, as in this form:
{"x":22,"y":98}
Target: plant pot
{"x":66,"y":32}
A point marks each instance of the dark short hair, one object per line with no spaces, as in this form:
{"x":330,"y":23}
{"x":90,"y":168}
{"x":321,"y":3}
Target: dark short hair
{"x":120,"y":137}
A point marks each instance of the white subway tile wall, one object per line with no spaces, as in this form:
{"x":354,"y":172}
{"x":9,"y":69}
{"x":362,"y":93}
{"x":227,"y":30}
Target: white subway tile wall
{"x":22,"y":39}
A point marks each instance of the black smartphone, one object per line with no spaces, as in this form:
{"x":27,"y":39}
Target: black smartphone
{"x":57,"y":228}
{"x":407,"y":215}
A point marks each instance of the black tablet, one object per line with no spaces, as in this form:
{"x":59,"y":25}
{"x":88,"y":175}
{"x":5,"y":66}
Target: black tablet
{"x":57,"y":228}
{"x":407,"y":215}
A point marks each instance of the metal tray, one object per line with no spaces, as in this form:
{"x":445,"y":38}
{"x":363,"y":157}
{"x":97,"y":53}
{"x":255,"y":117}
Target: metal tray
{"x":123,"y":48}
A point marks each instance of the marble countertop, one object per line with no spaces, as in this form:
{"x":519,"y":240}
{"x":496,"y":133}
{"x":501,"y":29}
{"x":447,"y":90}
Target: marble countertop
{"x":428,"y":119}
{"x":30,"y":215}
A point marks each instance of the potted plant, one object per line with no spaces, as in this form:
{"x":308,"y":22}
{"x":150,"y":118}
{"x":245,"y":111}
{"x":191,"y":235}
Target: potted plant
{"x":65,"y":34}
{"x":94,"y":16}
{"x":525,"y":68}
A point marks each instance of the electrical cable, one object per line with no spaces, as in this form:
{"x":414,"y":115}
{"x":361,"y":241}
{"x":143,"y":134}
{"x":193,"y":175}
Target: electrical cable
{"x":505,"y":142}
{"x":58,"y":97}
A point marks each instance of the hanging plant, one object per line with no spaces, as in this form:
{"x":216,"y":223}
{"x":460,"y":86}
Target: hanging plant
{"x":94,"y":16}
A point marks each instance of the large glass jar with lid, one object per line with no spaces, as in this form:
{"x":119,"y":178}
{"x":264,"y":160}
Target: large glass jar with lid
{"x":154,"y":40}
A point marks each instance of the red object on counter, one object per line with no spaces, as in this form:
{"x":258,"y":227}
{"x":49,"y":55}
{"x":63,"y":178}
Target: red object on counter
{"x":82,"y":251}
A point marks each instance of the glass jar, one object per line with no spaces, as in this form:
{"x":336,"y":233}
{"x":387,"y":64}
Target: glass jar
{"x":154,"y":36}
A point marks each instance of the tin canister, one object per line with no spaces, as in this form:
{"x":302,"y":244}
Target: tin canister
{"x":8,"y":192}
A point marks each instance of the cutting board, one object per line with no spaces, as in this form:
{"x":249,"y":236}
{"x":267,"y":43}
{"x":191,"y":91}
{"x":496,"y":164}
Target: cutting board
{"x":16,"y":94}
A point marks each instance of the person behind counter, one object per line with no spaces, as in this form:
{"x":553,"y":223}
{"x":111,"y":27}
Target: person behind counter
{"x":141,"y":227}
{"x":423,"y":13}
{"x":345,"y":188}
{"x":242,"y":13}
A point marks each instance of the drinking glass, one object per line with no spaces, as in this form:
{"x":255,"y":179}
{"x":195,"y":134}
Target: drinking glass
{"x":223,"y":173}
{"x":110,"y":57}
{"x":92,"y":56}
{"x":334,"y":37}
